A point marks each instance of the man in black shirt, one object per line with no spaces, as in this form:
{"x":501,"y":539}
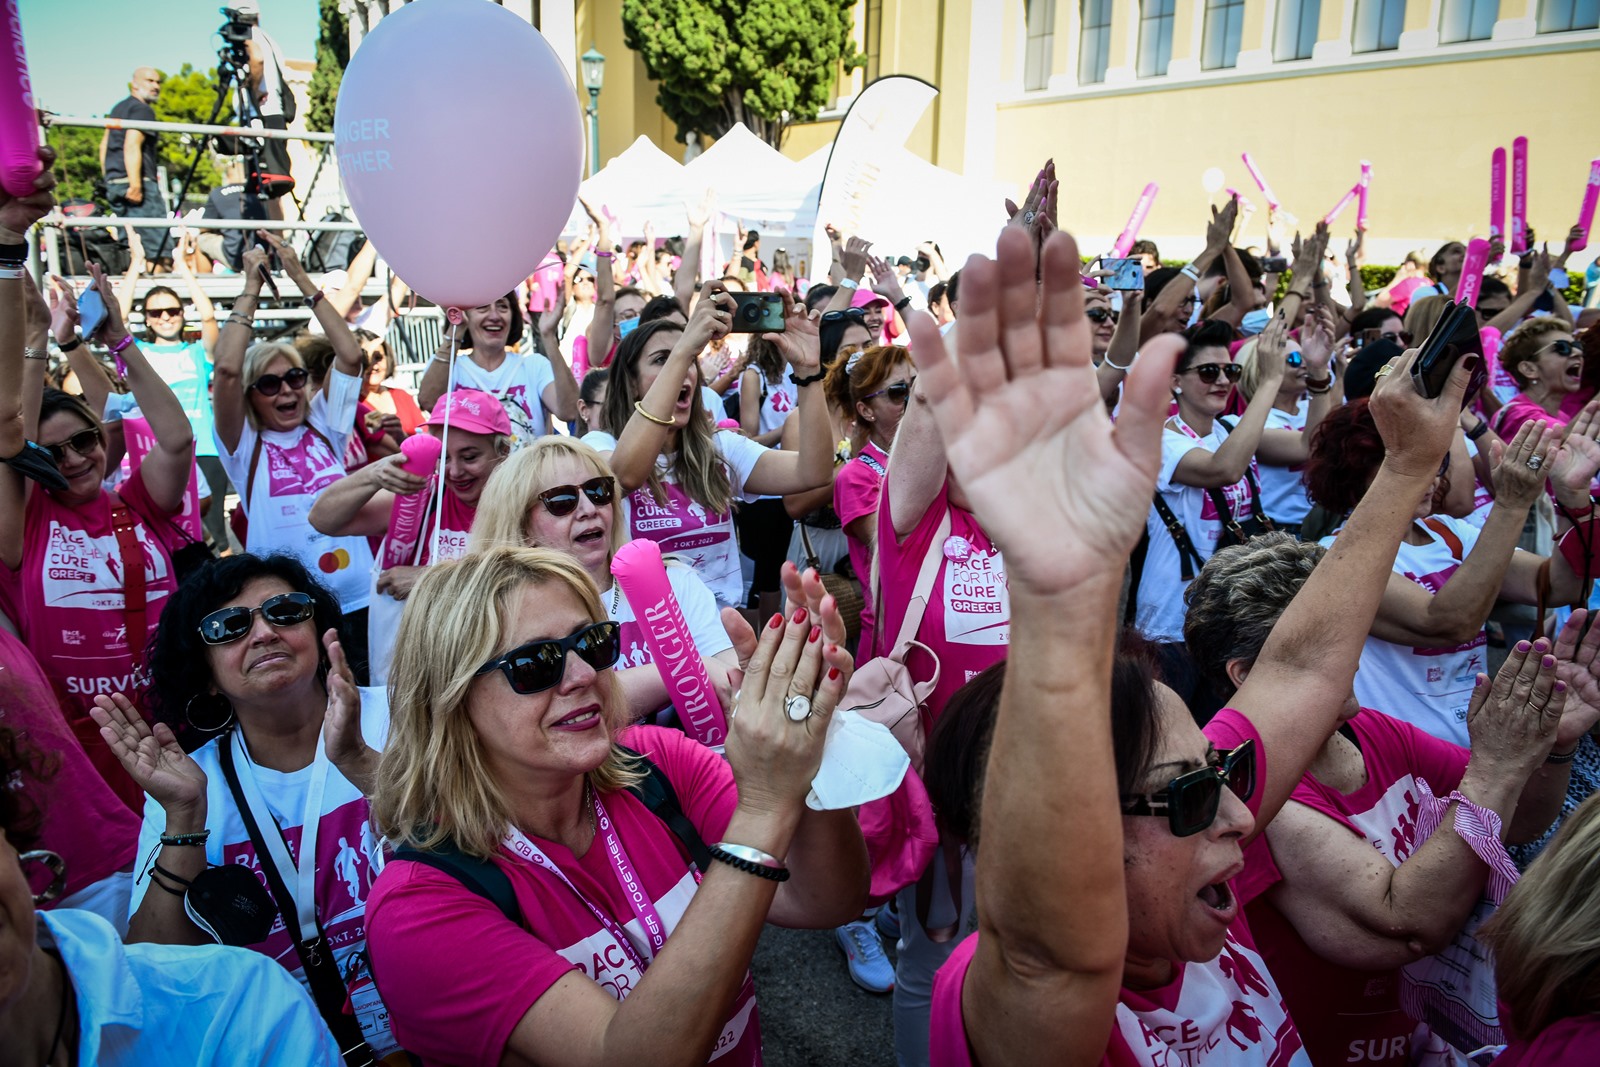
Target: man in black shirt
{"x":128,"y":160}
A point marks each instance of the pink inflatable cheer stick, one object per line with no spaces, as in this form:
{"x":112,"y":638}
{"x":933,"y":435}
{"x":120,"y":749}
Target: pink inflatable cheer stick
{"x":1497,"y":195}
{"x":19,"y":122}
{"x":1338,"y":209}
{"x":1130,"y":232}
{"x":1361,"y":196}
{"x":1591,"y":195}
{"x":1261,"y":183}
{"x":1472,"y":272}
{"x":405,"y":518}
{"x":1519,"y":195}
{"x":639,"y":570}
{"x":1244,"y":203}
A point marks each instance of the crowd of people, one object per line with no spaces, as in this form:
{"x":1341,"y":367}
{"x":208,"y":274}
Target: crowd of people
{"x":1294,"y":765}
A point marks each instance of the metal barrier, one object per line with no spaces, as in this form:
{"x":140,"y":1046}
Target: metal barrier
{"x":188,"y":127}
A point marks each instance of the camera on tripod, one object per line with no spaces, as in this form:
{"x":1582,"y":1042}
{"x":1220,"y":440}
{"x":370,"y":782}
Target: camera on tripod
{"x":236,"y":32}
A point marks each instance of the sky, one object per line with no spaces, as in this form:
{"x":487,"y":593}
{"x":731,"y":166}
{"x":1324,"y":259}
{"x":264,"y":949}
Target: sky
{"x":81,"y":52}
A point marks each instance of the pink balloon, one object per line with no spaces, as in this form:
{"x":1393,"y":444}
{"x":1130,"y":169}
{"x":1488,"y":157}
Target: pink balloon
{"x":19,"y":121}
{"x":460,"y":146}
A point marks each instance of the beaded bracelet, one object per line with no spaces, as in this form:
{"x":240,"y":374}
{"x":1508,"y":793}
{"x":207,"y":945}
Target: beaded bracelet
{"x":750,"y":861}
{"x":197,"y":838}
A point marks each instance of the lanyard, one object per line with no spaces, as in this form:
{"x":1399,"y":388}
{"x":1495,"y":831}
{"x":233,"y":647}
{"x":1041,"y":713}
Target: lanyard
{"x":644,"y":909}
{"x":305,"y":871}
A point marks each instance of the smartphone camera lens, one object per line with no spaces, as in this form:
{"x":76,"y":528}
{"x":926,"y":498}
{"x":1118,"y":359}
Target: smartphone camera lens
{"x":750,"y":313}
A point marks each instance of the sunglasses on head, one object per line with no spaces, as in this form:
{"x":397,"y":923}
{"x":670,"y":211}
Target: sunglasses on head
{"x":229,"y":624}
{"x":563,"y":499}
{"x":1562,"y":348}
{"x":539,"y":665}
{"x":83,"y":442}
{"x":1191,"y":800}
{"x":855,"y":315}
{"x":1101,"y":315}
{"x":899,"y":392}
{"x":1210,"y":372}
{"x":272,"y":384}
{"x":162,"y":313}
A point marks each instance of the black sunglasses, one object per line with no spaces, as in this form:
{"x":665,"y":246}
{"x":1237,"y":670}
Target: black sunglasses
{"x":229,"y":624}
{"x":1403,"y":338}
{"x":271,"y":384}
{"x":855,"y":315}
{"x":1101,"y":314}
{"x":1561,"y":348}
{"x":1190,"y":802}
{"x":563,"y":499}
{"x":151,"y":313}
{"x":83,"y":442}
{"x":539,"y":665}
{"x":1210,"y":372}
{"x":899,"y":392}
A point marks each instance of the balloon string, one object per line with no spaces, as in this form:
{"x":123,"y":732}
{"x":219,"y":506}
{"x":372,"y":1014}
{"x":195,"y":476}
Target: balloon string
{"x":444,"y":450}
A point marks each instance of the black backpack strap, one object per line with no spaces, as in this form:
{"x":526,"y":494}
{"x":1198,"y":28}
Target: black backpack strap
{"x":1256,"y":509}
{"x":483,"y":877}
{"x":1189,"y":561}
{"x":657,"y":794}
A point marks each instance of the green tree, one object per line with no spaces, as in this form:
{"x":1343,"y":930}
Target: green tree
{"x":188,"y":96}
{"x":333,"y":55}
{"x":719,"y":62}
{"x":77,"y":161}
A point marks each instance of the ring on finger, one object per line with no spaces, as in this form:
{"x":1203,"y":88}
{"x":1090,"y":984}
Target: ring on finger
{"x":1535,"y":462}
{"x":798,"y":707}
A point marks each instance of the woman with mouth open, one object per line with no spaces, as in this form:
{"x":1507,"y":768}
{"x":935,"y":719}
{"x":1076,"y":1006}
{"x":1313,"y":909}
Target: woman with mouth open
{"x":360,"y":505}
{"x":1548,"y":367}
{"x":1111,"y":825}
{"x":683,"y":475}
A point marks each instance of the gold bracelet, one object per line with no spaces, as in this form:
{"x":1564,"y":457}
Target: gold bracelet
{"x":638,"y":406}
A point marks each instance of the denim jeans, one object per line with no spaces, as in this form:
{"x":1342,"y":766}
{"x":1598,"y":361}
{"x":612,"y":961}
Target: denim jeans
{"x":151,"y":207}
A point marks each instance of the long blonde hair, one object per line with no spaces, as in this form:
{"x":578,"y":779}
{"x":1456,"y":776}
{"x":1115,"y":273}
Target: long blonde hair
{"x":1546,"y":936}
{"x":513,"y":488}
{"x":434,"y":784}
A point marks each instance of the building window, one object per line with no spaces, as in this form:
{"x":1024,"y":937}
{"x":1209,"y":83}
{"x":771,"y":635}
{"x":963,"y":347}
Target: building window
{"x":1378,"y":24}
{"x":1155,"y":37}
{"x":1041,"y":42}
{"x":1094,"y":50}
{"x":1469,"y":20}
{"x":1296,"y":33}
{"x":1559,"y":16}
{"x":1223,"y":31}
{"x":872,"y":32}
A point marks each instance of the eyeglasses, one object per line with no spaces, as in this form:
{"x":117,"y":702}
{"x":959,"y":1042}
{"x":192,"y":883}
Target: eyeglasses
{"x":855,"y":315}
{"x":1210,"y":372}
{"x":229,"y":624}
{"x":563,"y":499}
{"x":582,"y":279}
{"x":539,"y":665}
{"x":1101,"y":314}
{"x":272,"y":384}
{"x":899,"y":392}
{"x":83,"y":442}
{"x":1561,"y":348}
{"x":163,"y":313}
{"x":1190,"y":802}
{"x":1190,"y":300}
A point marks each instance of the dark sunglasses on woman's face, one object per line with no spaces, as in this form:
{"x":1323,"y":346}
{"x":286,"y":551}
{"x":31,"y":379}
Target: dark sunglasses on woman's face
{"x":1402,"y":338}
{"x":162,"y":313}
{"x":540,"y":665}
{"x":1190,"y":802}
{"x":855,"y":315}
{"x":1101,"y":315}
{"x":563,"y":499}
{"x":1562,"y":348}
{"x":83,"y":442}
{"x":1210,"y":372}
{"x":229,"y":624}
{"x":899,"y":392}
{"x":272,"y":384}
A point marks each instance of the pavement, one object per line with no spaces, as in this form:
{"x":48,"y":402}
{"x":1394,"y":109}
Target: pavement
{"x":812,"y":1014}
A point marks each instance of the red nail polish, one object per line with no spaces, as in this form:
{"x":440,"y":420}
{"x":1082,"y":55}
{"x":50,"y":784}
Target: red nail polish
{"x":833,"y":649}
{"x":816,"y":632}
{"x":799,"y":616}
{"x":833,"y":674}
{"x":777,"y":621}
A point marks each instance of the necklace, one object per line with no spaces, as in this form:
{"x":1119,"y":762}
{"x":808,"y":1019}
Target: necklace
{"x":61,"y":1016}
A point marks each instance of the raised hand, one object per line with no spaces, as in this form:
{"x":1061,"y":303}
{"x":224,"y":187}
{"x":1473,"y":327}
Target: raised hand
{"x":1352,"y":251}
{"x":711,"y":318}
{"x":1513,"y":722}
{"x":550,"y":317}
{"x":1519,"y":475}
{"x":19,"y":213}
{"x":1576,"y":461}
{"x":113,"y":330}
{"x":1272,"y":352}
{"x":1219,"y":231}
{"x":341,"y":724}
{"x":799,"y":341}
{"x":854,"y":257}
{"x":153,"y":758}
{"x":63,"y":310}
{"x":1316,"y":342}
{"x":700,"y":213}
{"x":1062,"y":491}
{"x":884,"y":281}
{"x":1578,"y":668}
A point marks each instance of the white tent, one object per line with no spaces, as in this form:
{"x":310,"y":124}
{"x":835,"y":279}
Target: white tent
{"x":642,"y":184}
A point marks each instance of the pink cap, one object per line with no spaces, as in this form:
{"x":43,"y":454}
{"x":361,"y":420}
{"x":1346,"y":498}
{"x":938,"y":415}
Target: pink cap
{"x":472,"y":410}
{"x":727,"y":424}
{"x":866,"y":298}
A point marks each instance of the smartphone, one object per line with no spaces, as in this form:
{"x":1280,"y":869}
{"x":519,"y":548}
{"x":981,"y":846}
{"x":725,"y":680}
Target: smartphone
{"x":1126,"y":274}
{"x":1274,"y":264}
{"x":91,"y":313}
{"x":1454,"y":336}
{"x":1369,"y":336}
{"x":757,"y":312}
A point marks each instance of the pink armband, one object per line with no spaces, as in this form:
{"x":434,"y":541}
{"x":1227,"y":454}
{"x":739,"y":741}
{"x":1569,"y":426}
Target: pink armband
{"x":1478,"y":827}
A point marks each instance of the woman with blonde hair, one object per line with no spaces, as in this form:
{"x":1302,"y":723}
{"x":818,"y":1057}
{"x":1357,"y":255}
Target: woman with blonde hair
{"x":561,"y":495}
{"x":1546,"y":942}
{"x":282,"y":443}
{"x":509,"y":762}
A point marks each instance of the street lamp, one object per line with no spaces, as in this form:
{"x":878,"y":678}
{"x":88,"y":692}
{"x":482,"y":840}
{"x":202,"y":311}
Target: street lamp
{"x":594,"y":76}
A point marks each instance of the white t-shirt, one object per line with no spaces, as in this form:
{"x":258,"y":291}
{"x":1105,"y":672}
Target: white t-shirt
{"x":599,"y":440}
{"x":349,"y":857}
{"x":705,"y":541}
{"x":777,"y":401}
{"x":700,"y":611}
{"x":1161,"y":584}
{"x":518,"y":383}
{"x":1283,"y":494}
{"x":294,"y":468}
{"x":1426,"y":687}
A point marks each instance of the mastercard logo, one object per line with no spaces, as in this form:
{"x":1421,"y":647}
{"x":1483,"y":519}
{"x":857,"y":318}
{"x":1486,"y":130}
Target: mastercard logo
{"x":337,"y":560}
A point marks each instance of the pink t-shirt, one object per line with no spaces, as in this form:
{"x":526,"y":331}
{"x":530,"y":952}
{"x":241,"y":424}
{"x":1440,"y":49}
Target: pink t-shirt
{"x":1518,"y":410}
{"x":856,"y":489}
{"x":1226,"y":1012}
{"x":967,"y":623}
{"x":1347,"y":1015}
{"x":67,"y":601}
{"x":1569,"y":1042}
{"x":457,"y":975}
{"x":84,"y":821}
